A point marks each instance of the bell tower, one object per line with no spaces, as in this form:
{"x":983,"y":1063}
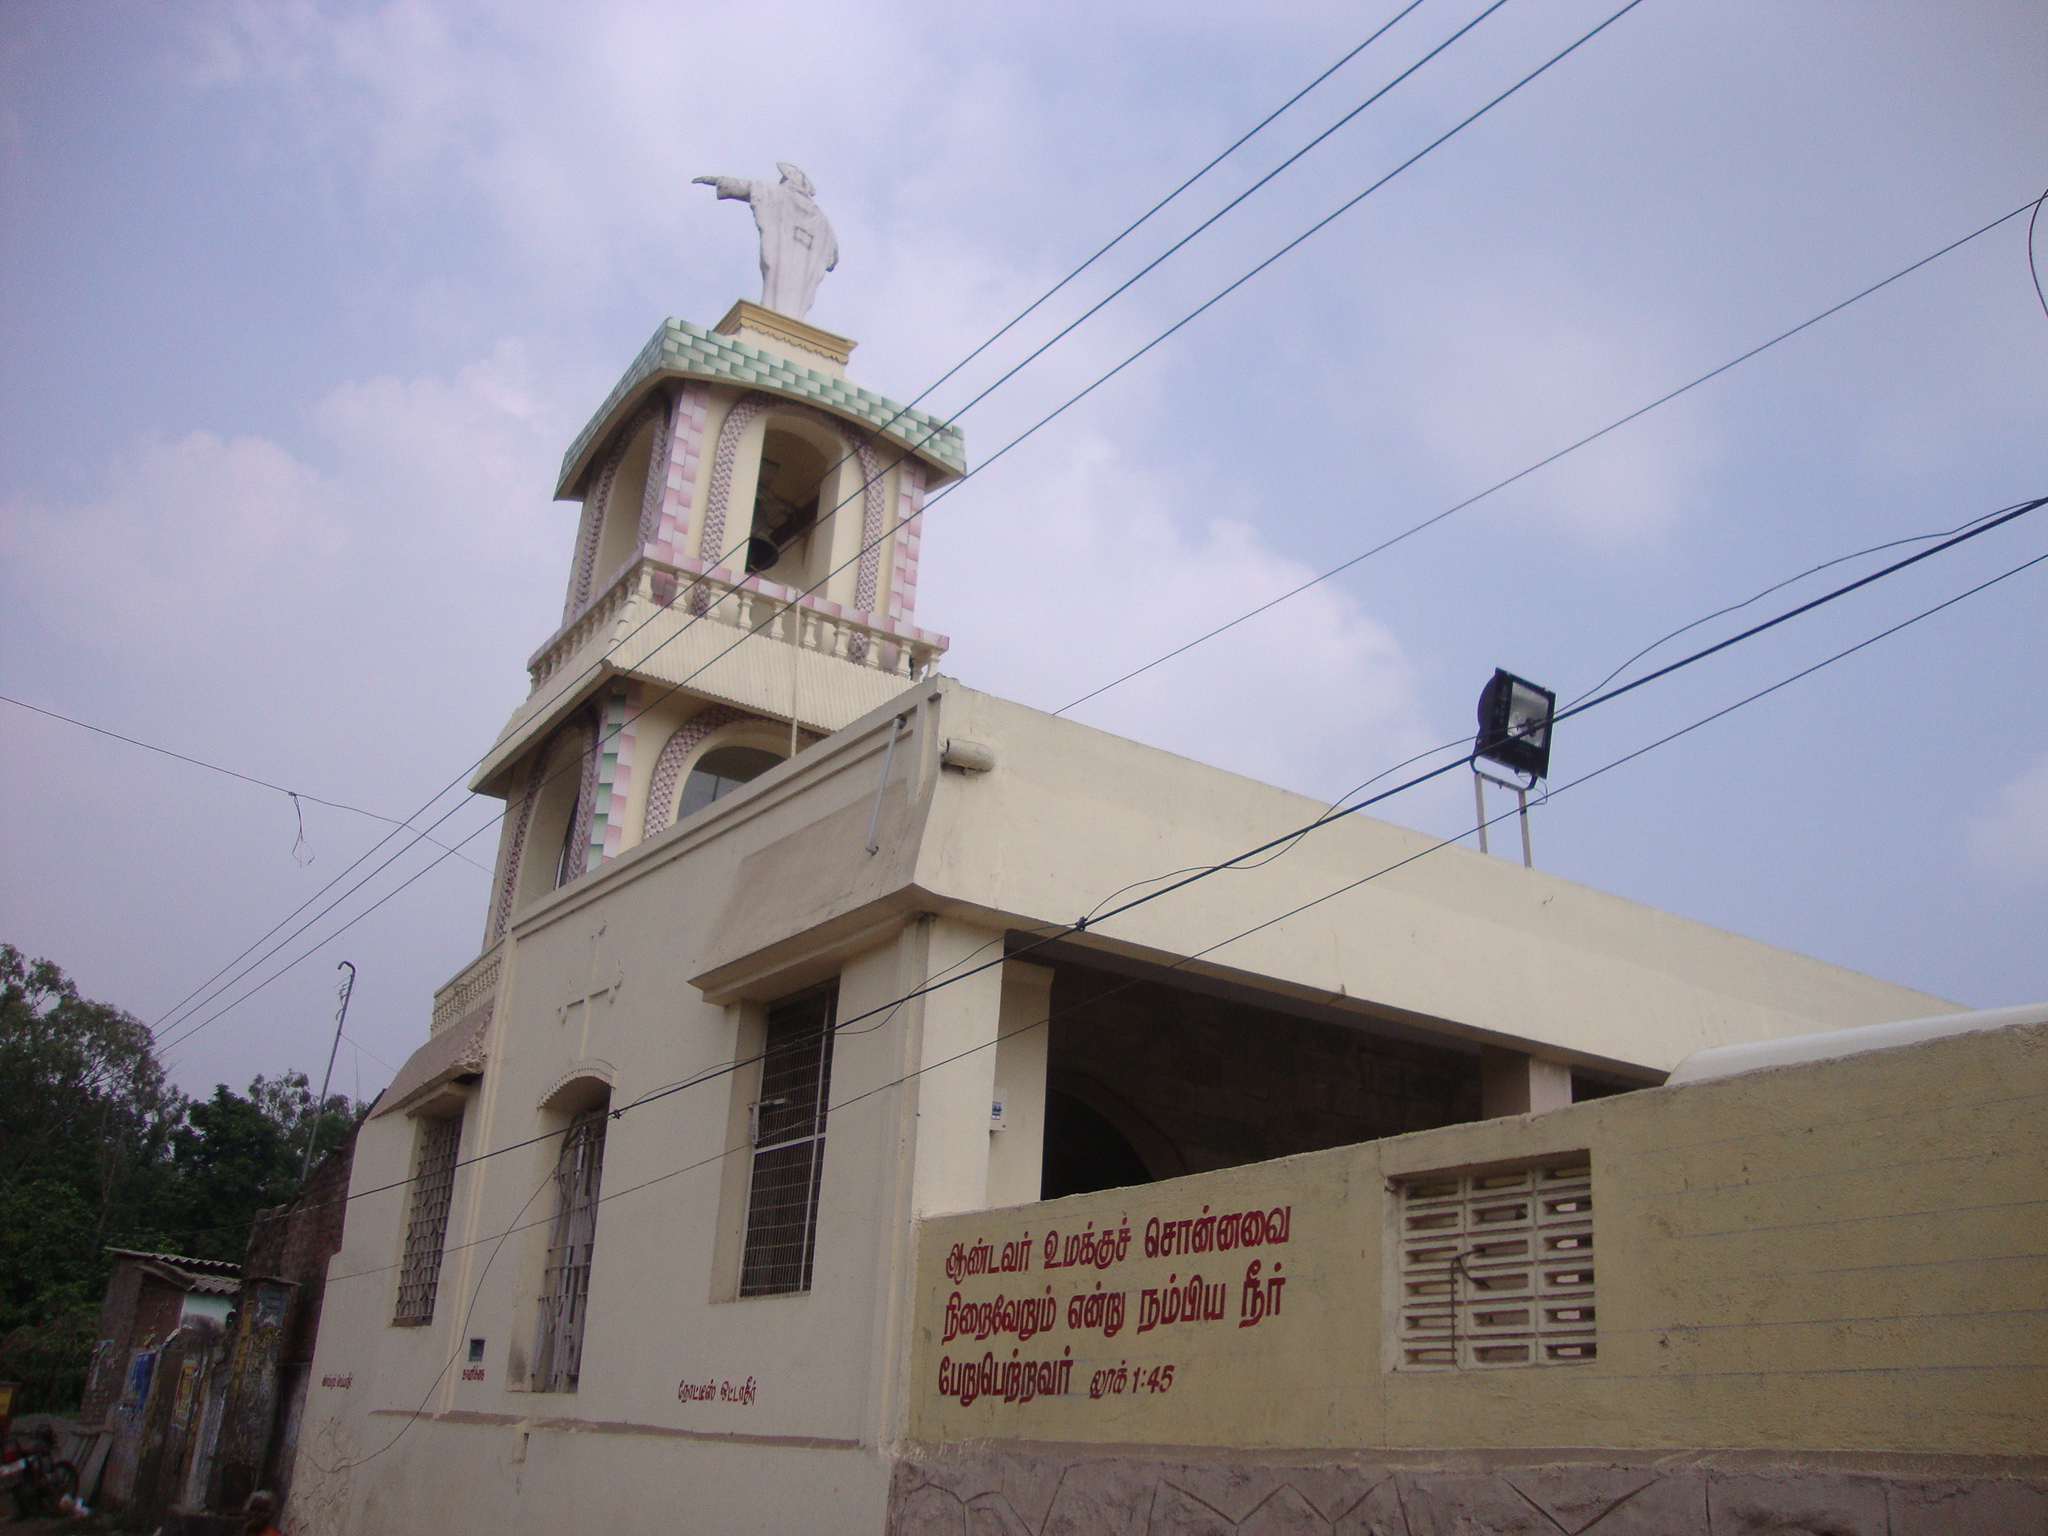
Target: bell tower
{"x":743,"y":582}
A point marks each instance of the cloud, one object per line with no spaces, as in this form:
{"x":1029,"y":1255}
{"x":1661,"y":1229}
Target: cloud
{"x":1494,"y":382}
{"x":453,"y":457}
{"x":347,"y":620}
{"x":2011,"y":839}
{"x":208,"y":544}
{"x":1082,"y":571}
{"x":189,"y":537}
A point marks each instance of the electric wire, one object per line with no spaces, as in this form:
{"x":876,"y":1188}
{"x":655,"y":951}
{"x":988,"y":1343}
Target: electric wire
{"x":1981,"y":527}
{"x":1755,"y":597}
{"x":456,"y":1344}
{"x":1145,"y":217}
{"x":1970,"y":531}
{"x":294,"y":795}
{"x":1544,"y":463}
{"x":1812,"y":570}
{"x":1181,"y":962}
{"x":1661,"y":400}
{"x":179,"y":1010}
{"x":1206,"y":224}
{"x":1782,"y":336}
{"x":883,"y":1011}
{"x":1977,"y":530}
{"x":2033,"y":268}
{"x":874,"y":433}
{"x":777,"y":611}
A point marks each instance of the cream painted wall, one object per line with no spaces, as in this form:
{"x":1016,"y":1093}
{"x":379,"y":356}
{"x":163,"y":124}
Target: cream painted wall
{"x":643,"y":974}
{"x":957,"y":1064}
{"x":1017,"y":1152}
{"x":1070,"y":814}
{"x":1479,"y":947}
{"x":595,"y":983}
{"x":1846,"y":1255}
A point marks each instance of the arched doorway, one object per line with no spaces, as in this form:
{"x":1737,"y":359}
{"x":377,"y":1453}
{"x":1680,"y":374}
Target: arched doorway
{"x":1084,"y":1152}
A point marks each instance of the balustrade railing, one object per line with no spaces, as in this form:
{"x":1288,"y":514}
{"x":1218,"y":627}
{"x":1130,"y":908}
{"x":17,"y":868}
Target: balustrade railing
{"x":475,"y":983}
{"x":779,"y":613}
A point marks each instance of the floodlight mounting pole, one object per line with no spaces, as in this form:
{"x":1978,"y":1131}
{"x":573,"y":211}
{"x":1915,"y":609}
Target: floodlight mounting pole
{"x":1521,"y":805}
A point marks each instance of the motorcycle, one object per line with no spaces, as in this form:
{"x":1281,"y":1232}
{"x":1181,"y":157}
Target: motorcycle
{"x":39,"y":1483}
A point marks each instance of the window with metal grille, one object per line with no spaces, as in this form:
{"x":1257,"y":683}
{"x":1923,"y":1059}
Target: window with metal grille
{"x":565,"y":1294}
{"x":789,"y":1144}
{"x":419,"y":1276}
{"x":1496,"y":1267}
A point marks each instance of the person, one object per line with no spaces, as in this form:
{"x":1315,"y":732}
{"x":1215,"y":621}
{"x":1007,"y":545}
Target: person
{"x":259,"y":1515}
{"x":797,"y":244}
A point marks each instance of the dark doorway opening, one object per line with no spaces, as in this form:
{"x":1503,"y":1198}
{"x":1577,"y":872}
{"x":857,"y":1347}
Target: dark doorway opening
{"x":1084,"y":1152}
{"x":1148,"y":1079}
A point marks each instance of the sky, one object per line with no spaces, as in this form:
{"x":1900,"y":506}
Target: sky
{"x":301,"y":302}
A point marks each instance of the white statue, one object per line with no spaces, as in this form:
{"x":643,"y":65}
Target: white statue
{"x":797,"y":244}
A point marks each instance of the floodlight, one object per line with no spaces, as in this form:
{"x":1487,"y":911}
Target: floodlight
{"x":1514,"y":724}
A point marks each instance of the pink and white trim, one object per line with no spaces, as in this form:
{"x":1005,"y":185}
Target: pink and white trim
{"x":537,"y":778}
{"x":515,"y":849}
{"x":590,"y":528}
{"x":672,"y":487}
{"x":909,"y":526}
{"x":615,"y":773}
{"x":668,"y":768}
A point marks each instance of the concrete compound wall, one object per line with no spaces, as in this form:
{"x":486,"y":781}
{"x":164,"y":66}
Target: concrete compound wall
{"x":1843,"y":1258}
{"x":110,"y":1357}
{"x":1066,"y":1491}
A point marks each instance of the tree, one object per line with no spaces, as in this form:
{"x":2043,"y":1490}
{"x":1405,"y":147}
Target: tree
{"x":288,"y":1102}
{"x":83,"y":1099}
{"x":235,"y":1156}
{"x":85,"y":1122}
{"x":98,"y":1150}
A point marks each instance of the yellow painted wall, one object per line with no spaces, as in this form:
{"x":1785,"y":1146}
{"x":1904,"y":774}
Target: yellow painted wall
{"x":1847,"y":1255}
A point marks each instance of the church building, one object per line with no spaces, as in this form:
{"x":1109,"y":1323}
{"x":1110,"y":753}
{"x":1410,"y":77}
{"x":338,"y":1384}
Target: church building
{"x":789,"y":1159}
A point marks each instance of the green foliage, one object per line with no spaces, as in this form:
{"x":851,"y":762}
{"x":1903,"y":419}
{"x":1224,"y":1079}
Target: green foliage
{"x":288,"y":1103}
{"x":48,"y":1258}
{"x":50,"y":1358}
{"x":82,"y":1097}
{"x":97,"y":1150}
{"x":232,"y":1159}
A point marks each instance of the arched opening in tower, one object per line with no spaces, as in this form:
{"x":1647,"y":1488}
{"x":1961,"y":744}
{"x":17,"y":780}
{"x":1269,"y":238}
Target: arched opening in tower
{"x":786,"y":508}
{"x":721,"y":771}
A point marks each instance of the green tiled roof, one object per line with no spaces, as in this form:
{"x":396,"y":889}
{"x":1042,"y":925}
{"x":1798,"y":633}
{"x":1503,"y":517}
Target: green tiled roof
{"x":692,"y":352}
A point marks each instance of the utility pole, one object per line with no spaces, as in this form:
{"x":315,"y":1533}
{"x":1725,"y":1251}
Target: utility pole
{"x":340,"y":1018}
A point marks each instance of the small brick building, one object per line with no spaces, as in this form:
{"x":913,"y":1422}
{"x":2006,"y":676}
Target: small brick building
{"x":149,"y":1296}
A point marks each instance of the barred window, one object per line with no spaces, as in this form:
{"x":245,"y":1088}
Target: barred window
{"x":419,"y":1277}
{"x":558,"y":1351}
{"x":789,"y":1144}
{"x":1496,"y":1267}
